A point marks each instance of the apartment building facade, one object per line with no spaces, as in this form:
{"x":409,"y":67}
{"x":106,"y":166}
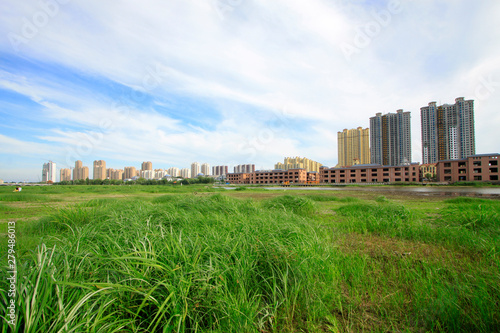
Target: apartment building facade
{"x":99,"y":169}
{"x":370,"y":173}
{"x":353,"y":147}
{"x":220,"y":170}
{"x":390,"y":138}
{"x":205,"y":169}
{"x":80,"y":171}
{"x":278,"y":176}
{"x":244,"y":168}
{"x":447,"y":131}
{"x":481,"y":167}
{"x":65,"y":174}
{"x":49,"y":172}
{"x":298,"y":163}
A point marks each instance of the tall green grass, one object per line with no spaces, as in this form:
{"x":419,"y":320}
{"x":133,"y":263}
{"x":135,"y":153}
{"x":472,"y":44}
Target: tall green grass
{"x":211,"y":263}
{"x":191,"y":264}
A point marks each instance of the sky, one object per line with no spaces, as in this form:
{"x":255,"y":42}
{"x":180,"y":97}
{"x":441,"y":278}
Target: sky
{"x":230,"y":82}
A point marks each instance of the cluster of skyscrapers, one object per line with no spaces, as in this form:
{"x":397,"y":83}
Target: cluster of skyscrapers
{"x":447,"y":133}
{"x":147,"y":172}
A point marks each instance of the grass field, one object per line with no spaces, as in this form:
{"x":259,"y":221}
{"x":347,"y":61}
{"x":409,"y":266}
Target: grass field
{"x":202,"y":259}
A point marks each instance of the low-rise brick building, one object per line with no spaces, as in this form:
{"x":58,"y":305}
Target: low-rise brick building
{"x":279,"y":176}
{"x":370,"y":173}
{"x":481,"y":167}
{"x":238,"y":178}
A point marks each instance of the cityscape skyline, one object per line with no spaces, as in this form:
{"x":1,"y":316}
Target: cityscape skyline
{"x":450,"y":128}
{"x":176,"y":82}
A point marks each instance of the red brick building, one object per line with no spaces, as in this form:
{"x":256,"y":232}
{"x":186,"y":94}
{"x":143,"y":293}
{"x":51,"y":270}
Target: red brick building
{"x":482,"y":167}
{"x":279,"y":176}
{"x":238,"y":178}
{"x":370,"y":173}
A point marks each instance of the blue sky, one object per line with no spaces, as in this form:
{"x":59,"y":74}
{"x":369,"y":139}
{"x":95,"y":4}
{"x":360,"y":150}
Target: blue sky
{"x":231,"y":82}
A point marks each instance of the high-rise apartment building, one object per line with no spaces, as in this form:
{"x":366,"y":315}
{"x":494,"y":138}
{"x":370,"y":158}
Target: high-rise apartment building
{"x":353,"y":147}
{"x":49,"y":172}
{"x":160,"y":173}
{"x":205,"y":169}
{"x":185,"y":173}
{"x":65,"y":175}
{"x":116,"y":174}
{"x":298,"y":163}
{"x":447,"y":131}
{"x":244,"y":168}
{"x":129,"y":172}
{"x":220,"y":170}
{"x":390,"y":138}
{"x":174,"y":172}
{"x":147,"y":174}
{"x":99,"y":169}
{"x":195,"y":169}
{"x":80,"y":171}
{"x":147,"y":166}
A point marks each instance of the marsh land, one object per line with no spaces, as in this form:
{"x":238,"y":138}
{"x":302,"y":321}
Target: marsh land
{"x":204,"y":259}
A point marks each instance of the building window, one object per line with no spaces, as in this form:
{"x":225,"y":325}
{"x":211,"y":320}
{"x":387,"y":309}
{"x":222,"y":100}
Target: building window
{"x":493,"y":170}
{"x":494,"y":177}
{"x":478,"y":178}
{"x":447,"y":165}
{"x":477,"y":163}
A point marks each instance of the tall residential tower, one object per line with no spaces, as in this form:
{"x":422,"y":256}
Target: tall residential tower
{"x":353,"y":147}
{"x":390,"y":138}
{"x":447,"y":131}
{"x":100,"y":169}
{"x":49,"y":172}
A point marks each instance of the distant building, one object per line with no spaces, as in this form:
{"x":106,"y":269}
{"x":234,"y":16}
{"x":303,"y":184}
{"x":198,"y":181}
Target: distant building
{"x":370,"y":173}
{"x":219,"y":170}
{"x":160,"y":173}
{"x":115,"y":174}
{"x":173,"y":172}
{"x":147,"y":174}
{"x":428,"y":169}
{"x":65,"y":175}
{"x":298,"y":163}
{"x":244,"y":168}
{"x":353,"y":147}
{"x":129,"y":172}
{"x":80,"y":171}
{"x":195,"y":169}
{"x":481,"y":167}
{"x":390,"y":138}
{"x":238,"y":178}
{"x":185,"y":173}
{"x":205,"y":169}
{"x":297,"y":176}
{"x":447,"y":131}
{"x":99,"y":169}
{"x":147,"y":166}
{"x":49,"y":172}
